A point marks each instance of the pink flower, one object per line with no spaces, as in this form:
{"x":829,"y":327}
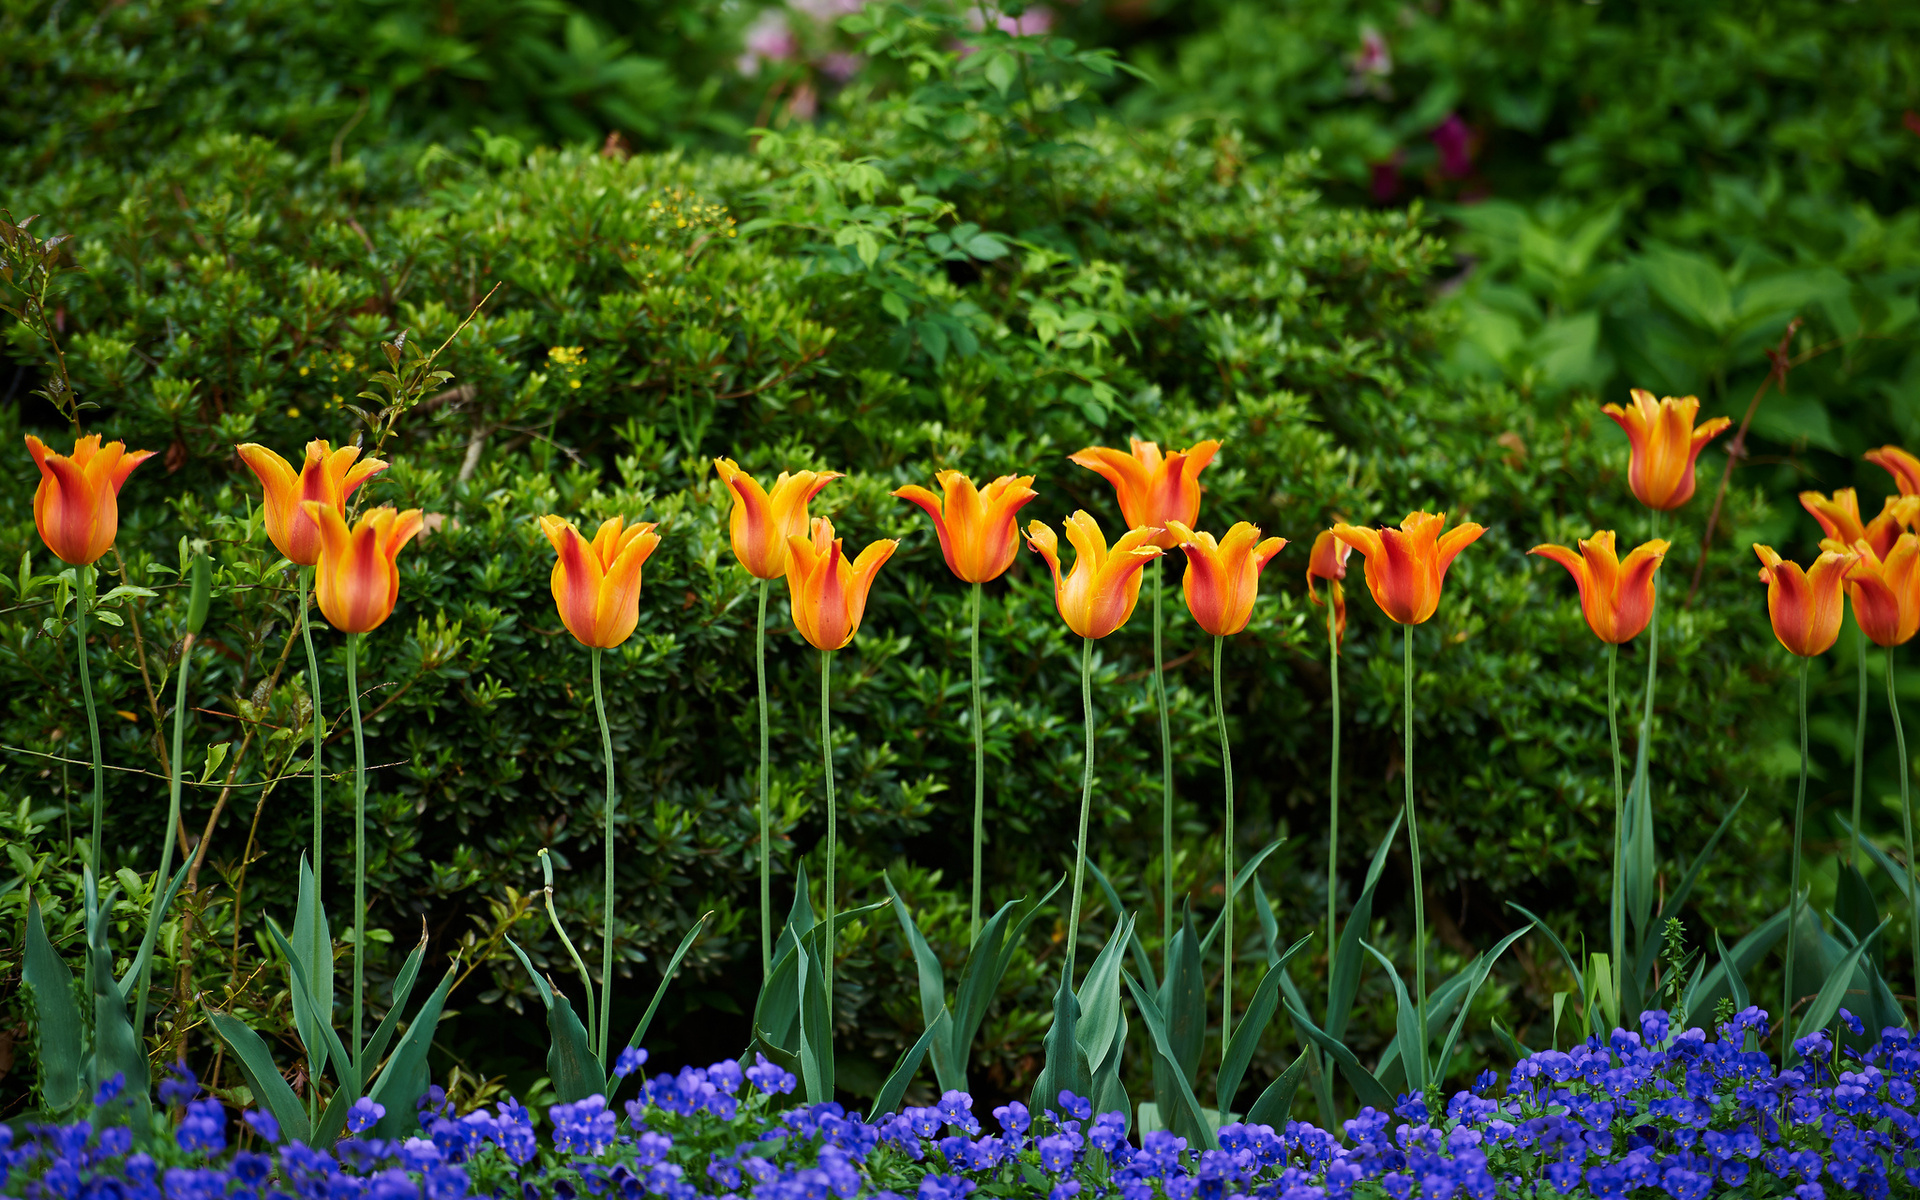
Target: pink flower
{"x":1455,"y":142}
{"x":769,"y":39}
{"x":1386,"y":178}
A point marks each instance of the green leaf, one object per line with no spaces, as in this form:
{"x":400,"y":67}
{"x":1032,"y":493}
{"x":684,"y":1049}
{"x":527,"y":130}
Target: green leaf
{"x":1693,"y":286}
{"x":116,"y":1049}
{"x":1064,"y":1067}
{"x":1184,"y":1116}
{"x":816,"y":1028}
{"x":1100,"y":1028}
{"x":1240,"y":879}
{"x":1649,"y":951}
{"x":888,"y":1100}
{"x":933,"y":991}
{"x":1001,"y":69}
{"x":155,"y":915}
{"x":799,"y":917}
{"x":57,"y":1017}
{"x":575,"y":1072}
{"x":1345,"y":981}
{"x":1182,"y":1003}
{"x":666,"y":977}
{"x":1365,"y":1086}
{"x":402,"y":989}
{"x":1142,"y":964}
{"x":1819,"y":1014}
{"x":1276,"y":1103}
{"x":1854,"y":905}
{"x":1253,"y":1023}
{"x":312,"y":943}
{"x":263,"y":1078}
{"x":1412,"y":1041}
{"x":986,"y":247}
{"x":351,"y":1075}
{"x":979,"y":979}
{"x":1478,"y":975}
{"x":405,"y":1078}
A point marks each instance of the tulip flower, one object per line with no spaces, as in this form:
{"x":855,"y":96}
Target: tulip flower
{"x":829,"y":594}
{"x":1328,"y":560}
{"x":357,"y":582}
{"x":596,"y":585}
{"x":1154,"y":490}
{"x":328,"y":476}
{"x":1616,"y":597}
{"x":1223,"y":578}
{"x":1665,"y":446}
{"x":762,"y":521}
{"x":77,"y":511}
{"x":1221,"y":583}
{"x":1805,"y":607}
{"x":1618,"y":601}
{"x":1839,"y":517}
{"x":979,"y":535}
{"x":1099,"y":594}
{"x":1885,"y":591}
{"x":759,"y":527}
{"x":1904,"y":467}
{"x":1407,"y":566}
{"x":77,"y":505}
{"x":979,"y":530}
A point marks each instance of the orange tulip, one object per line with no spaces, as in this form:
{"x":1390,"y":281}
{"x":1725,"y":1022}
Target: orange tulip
{"x":829,"y":595}
{"x":359,"y":577}
{"x":1805,"y":606}
{"x":1885,"y":590}
{"x":1406,"y":566}
{"x":596,"y":585}
{"x":1904,"y":467}
{"x":1153,"y":490}
{"x":978,"y":532}
{"x":762,"y":522}
{"x":1328,"y":561}
{"x":328,"y":476}
{"x":1665,"y":446}
{"x":1223,"y":580}
{"x":1839,"y":516}
{"x":77,"y":505}
{"x":1616,"y":597}
{"x":1098,"y":596}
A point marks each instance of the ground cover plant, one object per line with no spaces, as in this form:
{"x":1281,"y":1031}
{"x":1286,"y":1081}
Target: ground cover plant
{"x":573,"y":363}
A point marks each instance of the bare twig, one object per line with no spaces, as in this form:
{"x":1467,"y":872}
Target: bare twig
{"x":1737,"y":448}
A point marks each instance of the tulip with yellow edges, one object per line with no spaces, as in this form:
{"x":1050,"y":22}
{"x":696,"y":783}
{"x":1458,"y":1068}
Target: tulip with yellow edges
{"x":1094,"y":599}
{"x":596,"y":588}
{"x":979,"y":536}
{"x":1221,"y":584}
{"x":759,"y":526}
{"x":76,"y":508}
{"x":1805,"y":608}
{"x":1617,"y":598}
{"x":829,"y":597}
{"x":357,"y":583}
{"x":1904,"y":467}
{"x":1665,"y":445}
{"x":1328,"y":560}
{"x":326,"y":476}
{"x":1406,"y":568}
{"x":1155,"y":489}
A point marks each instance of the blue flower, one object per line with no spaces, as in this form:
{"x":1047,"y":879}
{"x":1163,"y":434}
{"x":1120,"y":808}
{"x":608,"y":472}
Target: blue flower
{"x":629,"y":1060}
{"x":364,"y":1115}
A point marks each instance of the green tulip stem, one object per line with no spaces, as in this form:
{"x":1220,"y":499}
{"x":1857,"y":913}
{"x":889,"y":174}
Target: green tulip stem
{"x":833,"y":834}
{"x":1859,"y":740}
{"x":1226,"y":849}
{"x":606,"y":842}
{"x":979,"y":771}
{"x":553,"y":918}
{"x":1333,"y":803}
{"x":1617,"y":893}
{"x":1906,"y":810}
{"x":360,"y":854}
{"x":766,"y":810}
{"x":319,"y":727}
{"x":85,"y":572}
{"x":1166,"y":766}
{"x":173,"y":820}
{"x":1086,"y":805}
{"x":1793,"y":885}
{"x":1413,"y":846}
{"x":1645,"y":753}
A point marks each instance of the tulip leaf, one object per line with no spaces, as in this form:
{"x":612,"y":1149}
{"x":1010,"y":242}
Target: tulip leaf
{"x":1478,"y":972}
{"x":1854,"y":905}
{"x":1142,"y":965}
{"x":1411,"y":1045}
{"x":1819,"y":1014}
{"x":404,"y":1079}
{"x":1345,"y":979}
{"x":1253,"y":1023}
{"x":1100,"y":1028}
{"x":156,"y":915}
{"x":1184,"y":1117}
{"x":116,"y":1048}
{"x":933,"y":991}
{"x":1183,"y":1000}
{"x":313,"y":944}
{"x":1365,"y":1086}
{"x":402,"y":990}
{"x":1276,"y":1103}
{"x":1269,"y":928}
{"x":57,"y":1017}
{"x":816,"y":1044}
{"x":575,"y":1072}
{"x":799,"y":917}
{"x":895,"y":1087}
{"x":1893,"y":870}
{"x":1240,"y":879}
{"x":666,"y":977}
{"x":979,"y":979}
{"x":350,"y":1074}
{"x":269,"y":1088}
{"x":1651,"y":940}
{"x":1728,"y":977}
{"x":1064,"y":1067}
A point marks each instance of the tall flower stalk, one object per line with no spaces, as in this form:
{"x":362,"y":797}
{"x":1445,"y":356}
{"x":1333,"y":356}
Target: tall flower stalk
{"x":97,"y":803}
{"x":1328,"y":561}
{"x":759,"y":526}
{"x":359,"y":851}
{"x":1095,"y":598}
{"x":1406,"y":568}
{"x":1221,"y":583}
{"x":1154,"y":491}
{"x":1805,"y":608}
{"x":979,"y":537}
{"x":319,"y":726}
{"x":829,"y":597}
{"x":596,"y":588}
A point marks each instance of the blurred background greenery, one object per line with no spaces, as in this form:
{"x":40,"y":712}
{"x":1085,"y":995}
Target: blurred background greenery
{"x":1394,"y":255}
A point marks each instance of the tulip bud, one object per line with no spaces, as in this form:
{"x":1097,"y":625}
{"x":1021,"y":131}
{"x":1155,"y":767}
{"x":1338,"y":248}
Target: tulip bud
{"x":200,"y":592}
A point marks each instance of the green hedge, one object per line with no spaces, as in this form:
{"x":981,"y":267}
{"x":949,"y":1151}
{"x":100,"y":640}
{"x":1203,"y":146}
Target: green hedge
{"x":980,"y":268}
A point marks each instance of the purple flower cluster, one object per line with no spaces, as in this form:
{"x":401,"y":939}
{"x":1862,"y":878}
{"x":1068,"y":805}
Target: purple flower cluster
{"x":1647,"y":1115}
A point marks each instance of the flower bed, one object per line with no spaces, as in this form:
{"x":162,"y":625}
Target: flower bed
{"x":1643,"y":1114}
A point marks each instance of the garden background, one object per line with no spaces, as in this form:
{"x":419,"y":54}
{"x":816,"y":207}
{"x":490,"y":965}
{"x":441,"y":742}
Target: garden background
{"x":1393,"y":256}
